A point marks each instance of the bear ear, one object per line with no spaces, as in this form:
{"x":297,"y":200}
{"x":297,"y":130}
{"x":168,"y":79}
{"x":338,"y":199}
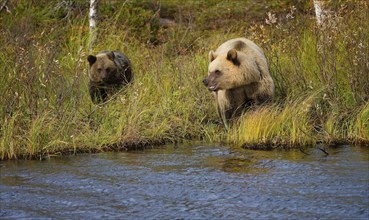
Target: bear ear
{"x":212,"y":56}
{"x":91,"y":59}
{"x":110,"y":55}
{"x":232,"y":56}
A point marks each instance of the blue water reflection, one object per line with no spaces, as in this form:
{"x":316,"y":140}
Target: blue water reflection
{"x":198,"y":182}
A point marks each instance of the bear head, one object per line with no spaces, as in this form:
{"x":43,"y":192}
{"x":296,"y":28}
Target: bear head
{"x":224,"y":71}
{"x":102,"y":67}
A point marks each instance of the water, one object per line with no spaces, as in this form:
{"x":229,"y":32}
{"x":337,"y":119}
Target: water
{"x":199,"y":182}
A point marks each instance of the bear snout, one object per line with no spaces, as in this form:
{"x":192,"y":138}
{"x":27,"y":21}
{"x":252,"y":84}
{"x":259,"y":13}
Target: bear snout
{"x":206,"y":82}
{"x":104,"y":75}
{"x":213,"y":88}
{"x":210,"y":85}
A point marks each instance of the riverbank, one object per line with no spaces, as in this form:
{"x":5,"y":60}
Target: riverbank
{"x":321,"y":76}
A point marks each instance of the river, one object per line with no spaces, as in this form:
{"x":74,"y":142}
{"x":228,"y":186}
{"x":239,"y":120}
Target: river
{"x":190,"y":182}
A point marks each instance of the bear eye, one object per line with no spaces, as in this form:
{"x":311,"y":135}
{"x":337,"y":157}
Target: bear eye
{"x":108,"y":70}
{"x":217,"y":72}
{"x":99,"y":70}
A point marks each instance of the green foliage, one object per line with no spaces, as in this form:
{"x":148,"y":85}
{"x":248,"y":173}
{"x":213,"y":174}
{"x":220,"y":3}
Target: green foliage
{"x":321,"y":75}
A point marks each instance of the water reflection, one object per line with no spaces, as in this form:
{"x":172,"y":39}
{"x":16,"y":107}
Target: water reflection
{"x":190,"y":183}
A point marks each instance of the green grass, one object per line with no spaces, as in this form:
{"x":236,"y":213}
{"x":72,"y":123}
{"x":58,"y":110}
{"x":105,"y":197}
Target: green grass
{"x":321,"y":76}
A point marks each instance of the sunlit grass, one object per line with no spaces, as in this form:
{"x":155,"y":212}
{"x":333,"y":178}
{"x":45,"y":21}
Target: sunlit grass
{"x":276,"y":126}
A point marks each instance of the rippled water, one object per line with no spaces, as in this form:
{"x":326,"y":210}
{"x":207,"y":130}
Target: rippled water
{"x":204,"y":182}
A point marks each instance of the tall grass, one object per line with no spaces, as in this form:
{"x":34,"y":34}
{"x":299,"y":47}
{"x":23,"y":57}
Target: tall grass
{"x":321,"y":77}
{"x":276,"y":126}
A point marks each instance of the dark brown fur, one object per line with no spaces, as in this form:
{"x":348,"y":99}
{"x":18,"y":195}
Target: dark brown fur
{"x":109,"y":72}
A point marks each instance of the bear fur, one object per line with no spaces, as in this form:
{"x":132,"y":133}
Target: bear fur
{"x":239,"y":78}
{"x":109,"y":72}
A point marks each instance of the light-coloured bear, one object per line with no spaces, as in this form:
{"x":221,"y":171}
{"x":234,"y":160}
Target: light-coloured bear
{"x":238,"y":76}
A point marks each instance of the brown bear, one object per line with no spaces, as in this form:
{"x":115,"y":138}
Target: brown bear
{"x":238,"y":76}
{"x":109,"y":72}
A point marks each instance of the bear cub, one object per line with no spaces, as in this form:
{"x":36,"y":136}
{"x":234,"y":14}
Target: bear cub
{"x":109,"y":72}
{"x":238,"y":76}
